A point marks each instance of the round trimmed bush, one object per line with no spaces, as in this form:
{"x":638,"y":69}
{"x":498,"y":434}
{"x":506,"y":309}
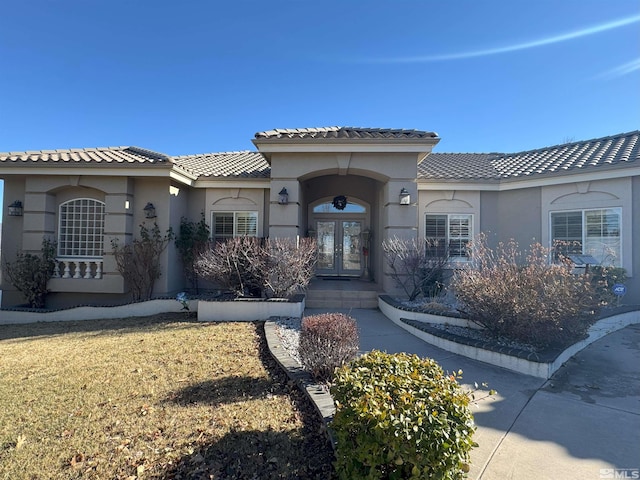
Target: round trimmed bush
{"x":327,"y":341}
{"x":400,"y":416}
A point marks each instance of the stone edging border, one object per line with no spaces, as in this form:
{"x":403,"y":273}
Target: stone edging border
{"x":319,"y":396}
{"x":541,"y":365}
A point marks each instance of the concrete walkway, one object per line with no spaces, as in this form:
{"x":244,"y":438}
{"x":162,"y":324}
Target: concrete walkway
{"x":581,"y":423}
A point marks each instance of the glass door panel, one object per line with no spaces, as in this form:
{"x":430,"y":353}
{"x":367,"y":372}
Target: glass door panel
{"x":326,"y":247}
{"x":351,"y":248}
{"x":339,"y":247}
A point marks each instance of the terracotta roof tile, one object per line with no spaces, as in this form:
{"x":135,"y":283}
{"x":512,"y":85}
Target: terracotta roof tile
{"x":244,"y":164}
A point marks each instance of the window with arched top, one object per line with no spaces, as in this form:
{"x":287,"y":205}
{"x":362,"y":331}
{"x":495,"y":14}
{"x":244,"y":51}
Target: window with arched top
{"x":81,"y":228}
{"x":350,"y":207}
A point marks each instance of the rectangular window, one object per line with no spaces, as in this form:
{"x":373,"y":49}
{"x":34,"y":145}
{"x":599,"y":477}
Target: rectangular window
{"x":234,"y":224}
{"x":588,"y":232}
{"x":449,"y":234}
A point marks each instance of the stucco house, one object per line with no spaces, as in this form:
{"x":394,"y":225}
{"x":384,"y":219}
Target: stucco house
{"x":351,"y":188}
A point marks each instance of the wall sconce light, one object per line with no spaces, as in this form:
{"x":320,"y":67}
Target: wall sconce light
{"x":15,"y":209}
{"x":149,"y":210}
{"x":283,"y":196}
{"x":405,"y":197}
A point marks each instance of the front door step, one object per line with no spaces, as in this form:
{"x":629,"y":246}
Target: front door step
{"x":341,"y":299}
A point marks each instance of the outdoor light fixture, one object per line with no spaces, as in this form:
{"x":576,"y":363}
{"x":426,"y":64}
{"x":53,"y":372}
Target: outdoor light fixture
{"x":15,"y":209}
{"x":405,"y":197}
{"x":283,"y":196}
{"x":149,"y":210}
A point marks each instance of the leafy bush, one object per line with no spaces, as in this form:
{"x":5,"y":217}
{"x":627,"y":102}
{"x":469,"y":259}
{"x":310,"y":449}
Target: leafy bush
{"x":241,"y":265}
{"x":530,"y":301}
{"x":191,"y":241}
{"x":30,"y":273}
{"x":327,"y":341}
{"x":139,"y":261}
{"x":400,"y":416}
{"x":416,"y":265}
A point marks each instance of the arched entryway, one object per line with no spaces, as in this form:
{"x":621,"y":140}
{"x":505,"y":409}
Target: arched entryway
{"x":343,"y":234}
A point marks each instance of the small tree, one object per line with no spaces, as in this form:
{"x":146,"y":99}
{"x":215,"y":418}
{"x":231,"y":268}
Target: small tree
{"x":191,"y":241}
{"x":416,"y":265}
{"x":30,"y":273}
{"x":139,"y":262}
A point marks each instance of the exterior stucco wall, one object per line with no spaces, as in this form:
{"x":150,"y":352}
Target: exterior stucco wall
{"x":633,"y":284}
{"x":511,"y":215}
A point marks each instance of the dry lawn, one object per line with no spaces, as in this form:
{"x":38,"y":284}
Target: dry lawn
{"x":154,"y":398}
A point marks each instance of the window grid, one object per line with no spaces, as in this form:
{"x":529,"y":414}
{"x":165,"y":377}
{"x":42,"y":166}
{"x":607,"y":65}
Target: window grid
{"x":81,"y":228}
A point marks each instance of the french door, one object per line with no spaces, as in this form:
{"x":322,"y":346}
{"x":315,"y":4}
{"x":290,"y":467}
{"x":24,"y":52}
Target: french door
{"x":339,"y":247}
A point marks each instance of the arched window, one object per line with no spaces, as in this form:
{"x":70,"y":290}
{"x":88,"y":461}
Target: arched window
{"x":81,"y":228}
{"x":328,"y":207}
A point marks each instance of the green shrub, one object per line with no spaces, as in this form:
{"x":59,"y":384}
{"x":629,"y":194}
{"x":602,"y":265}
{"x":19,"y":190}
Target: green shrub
{"x":526,"y":299}
{"x":30,"y":273}
{"x":400,"y":416}
{"x":191,"y":241}
{"x":327,"y":341}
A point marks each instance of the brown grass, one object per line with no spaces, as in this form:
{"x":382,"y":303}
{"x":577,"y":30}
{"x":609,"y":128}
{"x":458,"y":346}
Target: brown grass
{"x":151,"y":398}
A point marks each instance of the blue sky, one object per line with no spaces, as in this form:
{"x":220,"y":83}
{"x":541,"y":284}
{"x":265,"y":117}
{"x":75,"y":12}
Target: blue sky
{"x":203,"y":76}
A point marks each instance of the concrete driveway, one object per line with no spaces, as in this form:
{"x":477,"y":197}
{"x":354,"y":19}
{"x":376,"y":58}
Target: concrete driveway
{"x":583,"y":423}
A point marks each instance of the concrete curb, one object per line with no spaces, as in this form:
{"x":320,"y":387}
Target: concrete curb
{"x":319,"y":396}
{"x":541,"y":368}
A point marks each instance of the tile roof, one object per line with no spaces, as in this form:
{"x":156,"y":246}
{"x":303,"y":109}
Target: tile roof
{"x":243,"y":164}
{"x":607,"y":152}
{"x":110,"y":155}
{"x":351,"y":133}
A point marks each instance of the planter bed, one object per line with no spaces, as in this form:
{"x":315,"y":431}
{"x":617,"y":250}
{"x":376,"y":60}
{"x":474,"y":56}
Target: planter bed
{"x":250,"y":309}
{"x":139,"y":309}
{"x":540,"y":364}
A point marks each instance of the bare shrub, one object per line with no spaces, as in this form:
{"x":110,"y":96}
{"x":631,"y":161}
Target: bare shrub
{"x":525,"y":299}
{"x":139,"y":261}
{"x":30,"y":273}
{"x":235,"y":265}
{"x":289,"y":267}
{"x":327,"y":341}
{"x":416,"y":265}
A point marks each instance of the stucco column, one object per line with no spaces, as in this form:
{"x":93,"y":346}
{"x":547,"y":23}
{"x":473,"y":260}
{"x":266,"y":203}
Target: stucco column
{"x":284,"y":220}
{"x":398,"y":220}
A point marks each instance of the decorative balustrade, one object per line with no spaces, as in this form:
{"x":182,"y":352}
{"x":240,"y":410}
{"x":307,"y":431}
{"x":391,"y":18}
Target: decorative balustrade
{"x":76,"y":267}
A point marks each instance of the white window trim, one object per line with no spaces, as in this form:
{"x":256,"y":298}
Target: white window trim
{"x":235,"y":214}
{"x":453,"y":260}
{"x":583,"y":212}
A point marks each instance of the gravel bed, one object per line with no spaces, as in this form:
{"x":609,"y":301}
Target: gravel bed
{"x":288,"y":330}
{"x":483,"y":335}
